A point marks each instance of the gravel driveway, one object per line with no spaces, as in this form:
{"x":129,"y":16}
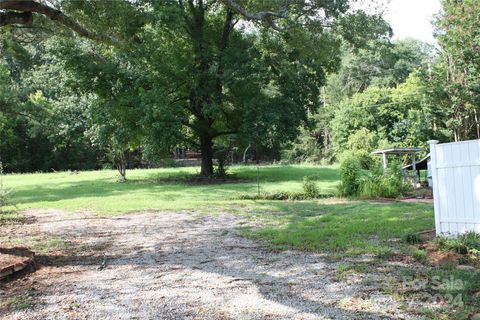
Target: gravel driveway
{"x":182,"y":266}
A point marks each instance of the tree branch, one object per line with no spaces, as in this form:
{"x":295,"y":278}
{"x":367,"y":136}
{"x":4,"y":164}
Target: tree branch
{"x":264,"y":16}
{"x":27,"y":7}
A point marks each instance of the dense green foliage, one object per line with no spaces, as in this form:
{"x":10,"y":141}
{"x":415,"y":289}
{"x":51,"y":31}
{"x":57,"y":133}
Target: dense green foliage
{"x":197,"y":74}
{"x":362,"y":176}
{"x":401,"y":93}
{"x":179,"y":73}
{"x":219,"y":81}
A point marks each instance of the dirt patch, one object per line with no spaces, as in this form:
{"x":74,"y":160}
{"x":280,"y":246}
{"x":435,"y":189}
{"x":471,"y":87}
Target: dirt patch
{"x":158,"y":265}
{"x":438,"y":257}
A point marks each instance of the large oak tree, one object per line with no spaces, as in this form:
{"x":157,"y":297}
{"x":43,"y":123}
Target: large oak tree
{"x":205,"y":72}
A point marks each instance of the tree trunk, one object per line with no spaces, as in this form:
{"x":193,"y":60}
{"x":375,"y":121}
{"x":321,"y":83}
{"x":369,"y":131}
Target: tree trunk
{"x":122,"y":167}
{"x":206,"y":148}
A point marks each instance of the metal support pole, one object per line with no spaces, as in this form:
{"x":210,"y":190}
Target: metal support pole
{"x":385,"y":162}
{"x":414,"y":170}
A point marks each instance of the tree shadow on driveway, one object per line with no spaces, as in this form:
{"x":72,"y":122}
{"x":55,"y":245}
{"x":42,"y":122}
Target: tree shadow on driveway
{"x":177,"y":265}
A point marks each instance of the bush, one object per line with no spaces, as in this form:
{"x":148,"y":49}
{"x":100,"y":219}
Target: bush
{"x":310,"y":188}
{"x":379,"y":184}
{"x":361,"y":177}
{"x":350,"y":177}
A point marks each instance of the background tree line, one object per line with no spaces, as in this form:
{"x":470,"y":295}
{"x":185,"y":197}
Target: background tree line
{"x":288,"y":78}
{"x":401,"y":93}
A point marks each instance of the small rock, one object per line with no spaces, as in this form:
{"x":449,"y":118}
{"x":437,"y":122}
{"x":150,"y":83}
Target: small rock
{"x":466,"y":268}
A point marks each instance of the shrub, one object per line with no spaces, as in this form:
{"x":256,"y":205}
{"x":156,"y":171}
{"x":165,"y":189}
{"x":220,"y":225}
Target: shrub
{"x":310,"y":188}
{"x":379,"y":184}
{"x":350,"y":177}
{"x":360,"y":176}
{"x":364,"y":159}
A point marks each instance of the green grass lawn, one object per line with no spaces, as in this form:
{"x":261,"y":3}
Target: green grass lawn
{"x":153,"y":188}
{"x":342,"y":227}
{"x":334,"y":225}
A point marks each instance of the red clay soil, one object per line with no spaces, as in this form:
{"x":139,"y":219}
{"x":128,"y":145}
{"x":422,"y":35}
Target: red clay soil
{"x":437,"y":257}
{"x":13,"y":260}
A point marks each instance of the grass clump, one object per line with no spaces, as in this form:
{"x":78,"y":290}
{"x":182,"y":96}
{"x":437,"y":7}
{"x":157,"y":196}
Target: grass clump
{"x":344,"y":270}
{"x":285,"y":195}
{"x":18,"y":303}
{"x":463,"y":244}
{"x":419,"y":255}
{"x":412,"y":238}
{"x":51,"y":245}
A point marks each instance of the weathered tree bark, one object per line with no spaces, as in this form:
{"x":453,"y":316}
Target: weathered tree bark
{"x":206,"y":148}
{"x":122,"y":169}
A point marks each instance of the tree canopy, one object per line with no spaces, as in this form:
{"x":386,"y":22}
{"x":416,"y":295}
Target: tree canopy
{"x":89,"y":82}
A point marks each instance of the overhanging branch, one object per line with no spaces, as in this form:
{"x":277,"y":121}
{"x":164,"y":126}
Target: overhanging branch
{"x":27,"y":7}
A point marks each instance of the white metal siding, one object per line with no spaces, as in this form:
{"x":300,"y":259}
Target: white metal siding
{"x":456,"y":186}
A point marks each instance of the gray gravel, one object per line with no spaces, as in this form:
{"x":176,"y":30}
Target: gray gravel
{"x":160,"y":265}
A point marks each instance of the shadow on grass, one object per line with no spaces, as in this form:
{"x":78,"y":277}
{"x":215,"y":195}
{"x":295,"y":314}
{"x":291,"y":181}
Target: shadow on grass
{"x":161,"y":185}
{"x":360,"y":227}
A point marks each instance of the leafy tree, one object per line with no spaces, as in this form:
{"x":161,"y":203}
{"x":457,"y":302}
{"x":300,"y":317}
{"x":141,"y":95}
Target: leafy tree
{"x":224,"y":76}
{"x":455,"y":83}
{"x":43,"y":123}
{"x":381,"y":63}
